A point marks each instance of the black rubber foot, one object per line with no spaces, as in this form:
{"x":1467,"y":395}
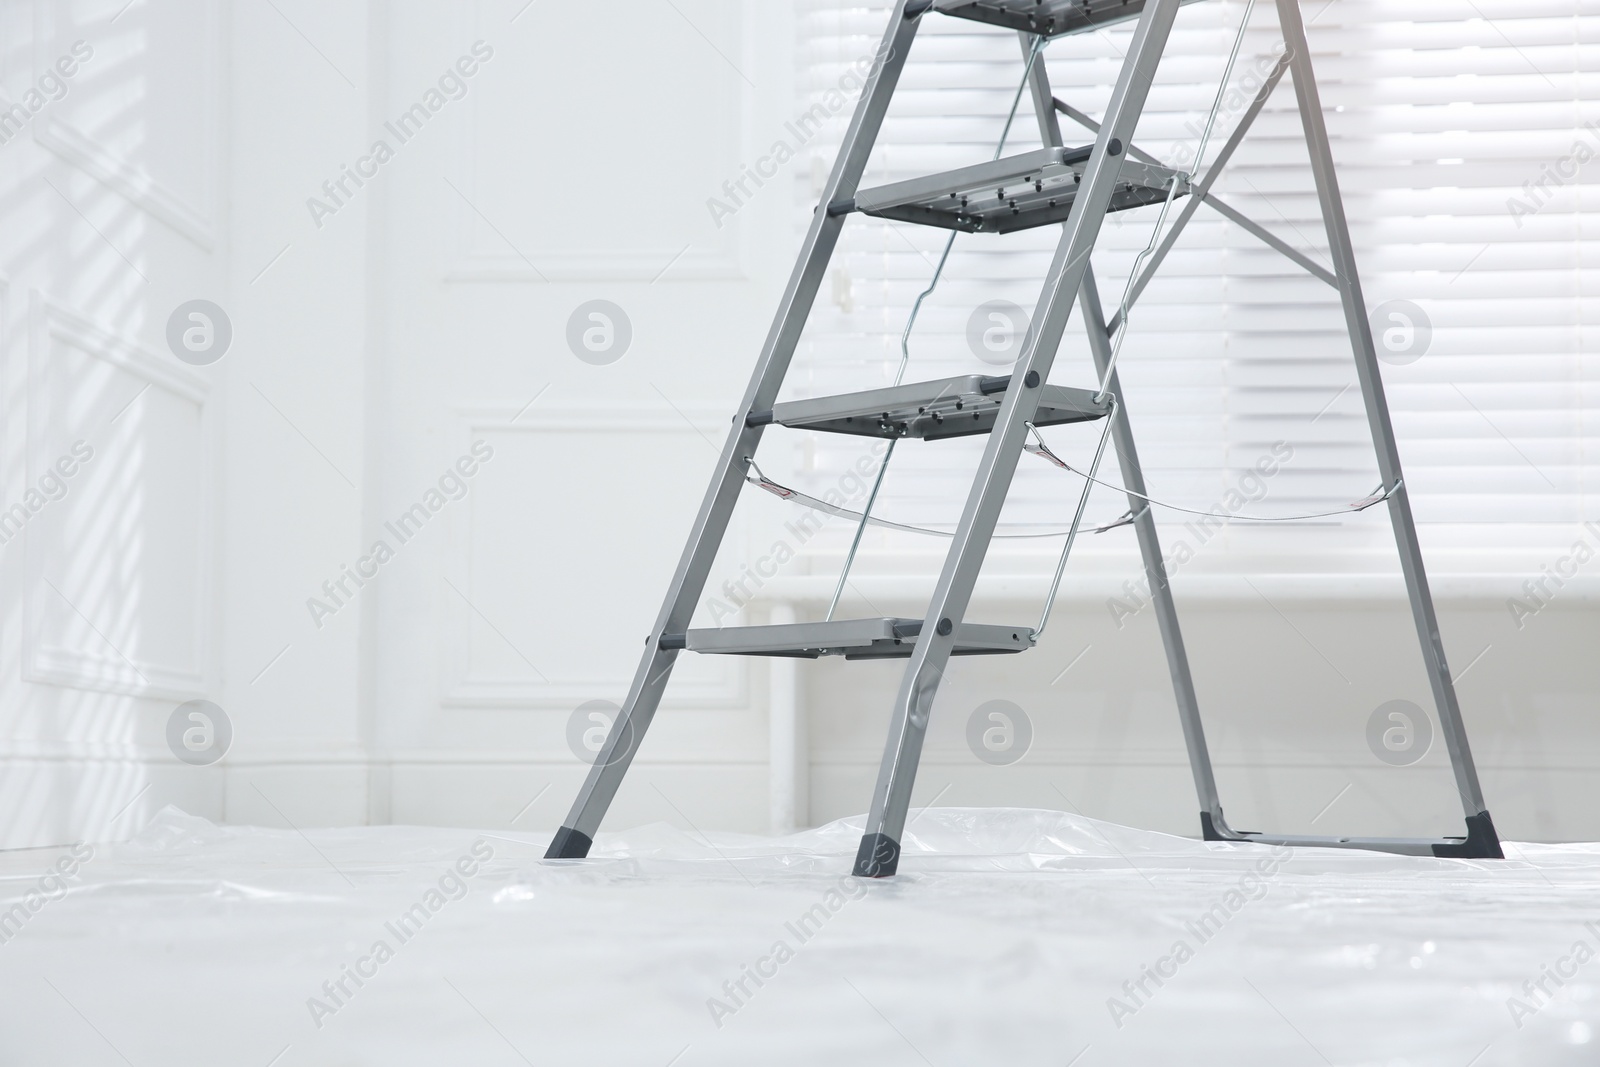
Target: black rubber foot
{"x":878,"y":857}
{"x":1482,"y":842}
{"x":1208,"y":829}
{"x":568,"y":844}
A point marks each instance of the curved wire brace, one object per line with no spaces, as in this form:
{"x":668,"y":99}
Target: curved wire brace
{"x":1126,"y":304}
{"x":905,"y":338}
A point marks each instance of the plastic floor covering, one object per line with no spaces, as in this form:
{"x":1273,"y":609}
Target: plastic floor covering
{"x":1010,"y":937}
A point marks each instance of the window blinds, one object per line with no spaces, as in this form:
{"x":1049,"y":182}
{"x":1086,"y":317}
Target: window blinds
{"x":1462,"y":139}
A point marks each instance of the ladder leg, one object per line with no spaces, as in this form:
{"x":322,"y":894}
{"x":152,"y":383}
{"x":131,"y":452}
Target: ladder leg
{"x":879,"y":854}
{"x":1040,"y":93}
{"x":1155,"y":569}
{"x":611,"y":764}
{"x":1481,"y":838}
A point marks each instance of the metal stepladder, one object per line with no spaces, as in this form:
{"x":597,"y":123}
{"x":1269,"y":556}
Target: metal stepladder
{"x":1056,"y":185}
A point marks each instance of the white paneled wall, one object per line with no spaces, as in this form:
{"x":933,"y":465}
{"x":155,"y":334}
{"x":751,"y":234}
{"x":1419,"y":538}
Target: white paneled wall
{"x":410,"y":523}
{"x":113,"y":165}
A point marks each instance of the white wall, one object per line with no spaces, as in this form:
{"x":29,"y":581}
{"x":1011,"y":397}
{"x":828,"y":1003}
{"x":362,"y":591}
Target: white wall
{"x":116,"y":211}
{"x":429,"y":312}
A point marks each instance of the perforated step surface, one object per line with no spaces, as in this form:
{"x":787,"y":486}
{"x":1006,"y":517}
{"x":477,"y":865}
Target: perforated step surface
{"x":949,"y":407}
{"x":1015,"y":193}
{"x":1048,"y":18}
{"x":850,"y":638}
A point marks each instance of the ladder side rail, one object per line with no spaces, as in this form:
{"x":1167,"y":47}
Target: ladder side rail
{"x":710,"y":526}
{"x":878,"y":855}
{"x":1480,"y":828}
{"x":1144,"y":523}
{"x":1044,"y":101}
{"x":1155,"y":568}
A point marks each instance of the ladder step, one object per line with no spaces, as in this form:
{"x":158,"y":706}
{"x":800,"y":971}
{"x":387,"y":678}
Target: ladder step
{"x":1015,"y":193}
{"x":948,"y":407}
{"x":1048,"y":18}
{"x":850,"y":638}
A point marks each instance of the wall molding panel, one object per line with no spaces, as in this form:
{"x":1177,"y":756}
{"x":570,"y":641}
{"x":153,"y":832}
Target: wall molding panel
{"x":45,"y":660}
{"x":713,"y":683}
{"x":195,"y":220}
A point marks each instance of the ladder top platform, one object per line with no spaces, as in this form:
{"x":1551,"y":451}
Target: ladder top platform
{"x":948,"y":407}
{"x":1015,"y":193}
{"x":1047,"y":18}
{"x":850,"y":638}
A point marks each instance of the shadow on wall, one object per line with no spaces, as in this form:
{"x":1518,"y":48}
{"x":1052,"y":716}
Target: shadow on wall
{"x":104,"y":553}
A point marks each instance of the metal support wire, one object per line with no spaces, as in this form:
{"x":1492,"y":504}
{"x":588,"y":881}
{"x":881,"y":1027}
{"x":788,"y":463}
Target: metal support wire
{"x":1187,"y":177}
{"x":1222,"y":90}
{"x":1077,"y":519}
{"x":1377,"y":496}
{"x":1042,"y":450}
{"x":1127,"y":293}
{"x":905,"y":340}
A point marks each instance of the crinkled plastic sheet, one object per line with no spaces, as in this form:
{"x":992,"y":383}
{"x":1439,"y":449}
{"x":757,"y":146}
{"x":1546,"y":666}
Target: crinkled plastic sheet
{"x":1003,"y":941}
